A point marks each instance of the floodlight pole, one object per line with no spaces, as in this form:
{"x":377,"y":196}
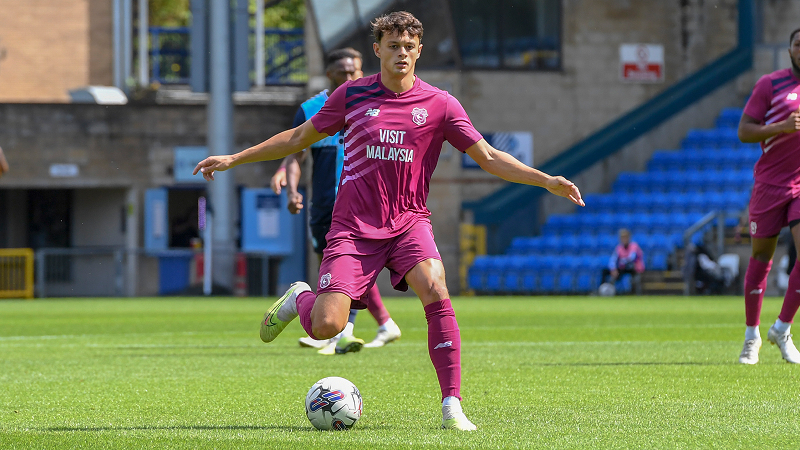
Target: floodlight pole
{"x":144,"y":34}
{"x":220,"y":142}
{"x":259,"y":56}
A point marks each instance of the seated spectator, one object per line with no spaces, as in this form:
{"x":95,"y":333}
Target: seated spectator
{"x":3,"y":163}
{"x":627,"y":258}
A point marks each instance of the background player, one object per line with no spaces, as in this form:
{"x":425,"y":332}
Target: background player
{"x":772,"y":117}
{"x":3,"y":163}
{"x":395,"y":126}
{"x":328,"y":157}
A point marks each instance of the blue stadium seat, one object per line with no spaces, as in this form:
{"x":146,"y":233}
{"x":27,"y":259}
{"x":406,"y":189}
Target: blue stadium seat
{"x":566,"y":281}
{"x":547,"y":281}
{"x":624,"y":284}
{"x":694,"y":139}
{"x":477,"y":271}
{"x":512,"y":278}
{"x":663,"y":161}
{"x":494,"y":273}
{"x":608,"y":242}
{"x":660,"y":223}
{"x":587,"y":281}
{"x":729,"y":118}
{"x":659,"y":260}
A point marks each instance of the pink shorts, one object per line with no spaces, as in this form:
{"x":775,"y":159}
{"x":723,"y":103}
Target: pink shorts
{"x":351,"y":265}
{"x":772,"y":208}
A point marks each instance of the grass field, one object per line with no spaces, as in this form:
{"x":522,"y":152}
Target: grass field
{"x":538,"y":372}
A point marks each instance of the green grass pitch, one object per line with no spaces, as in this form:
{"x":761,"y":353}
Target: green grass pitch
{"x":538,"y":372}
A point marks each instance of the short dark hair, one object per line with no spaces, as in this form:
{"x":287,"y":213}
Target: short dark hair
{"x":399,"y":22}
{"x":791,"y":36}
{"x":342,"y":53}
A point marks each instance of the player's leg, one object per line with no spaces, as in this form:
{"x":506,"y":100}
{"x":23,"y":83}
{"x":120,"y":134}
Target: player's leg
{"x":318,"y":243}
{"x":755,"y":283}
{"x":780,"y":332}
{"x":767,"y":215}
{"x":388,"y":331}
{"x":427,"y":279}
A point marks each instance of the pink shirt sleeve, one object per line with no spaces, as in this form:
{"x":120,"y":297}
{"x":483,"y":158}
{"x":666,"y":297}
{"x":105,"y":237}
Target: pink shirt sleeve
{"x":331,"y":118}
{"x":759,"y":102}
{"x":458,"y":130}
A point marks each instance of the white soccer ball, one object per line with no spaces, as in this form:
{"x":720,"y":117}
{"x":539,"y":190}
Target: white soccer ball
{"x":333,"y":403}
{"x":607,"y":290}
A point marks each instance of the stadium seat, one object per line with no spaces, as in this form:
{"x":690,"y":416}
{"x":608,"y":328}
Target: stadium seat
{"x":663,"y":161}
{"x":587,"y":281}
{"x":547,"y":281}
{"x":659,"y":260}
{"x":566,"y":282}
{"x":729,"y":118}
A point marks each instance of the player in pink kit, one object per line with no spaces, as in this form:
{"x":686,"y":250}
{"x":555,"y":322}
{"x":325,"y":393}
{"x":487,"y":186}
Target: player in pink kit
{"x":772,"y":117}
{"x":395,"y":125}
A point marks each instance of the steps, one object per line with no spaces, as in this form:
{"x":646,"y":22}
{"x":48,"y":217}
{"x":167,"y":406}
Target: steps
{"x":666,"y":282}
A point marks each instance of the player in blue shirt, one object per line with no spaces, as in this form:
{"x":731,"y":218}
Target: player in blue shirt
{"x":327,"y":161}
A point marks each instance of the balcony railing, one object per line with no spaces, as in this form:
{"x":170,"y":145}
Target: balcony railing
{"x":284,"y":56}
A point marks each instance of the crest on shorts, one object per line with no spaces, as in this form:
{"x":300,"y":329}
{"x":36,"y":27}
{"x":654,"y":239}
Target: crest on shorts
{"x":753,"y":228}
{"x":419,"y":115}
{"x":325,"y":281}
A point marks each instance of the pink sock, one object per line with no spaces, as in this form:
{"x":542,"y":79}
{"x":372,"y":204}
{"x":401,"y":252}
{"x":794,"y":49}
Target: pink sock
{"x":375,"y":305}
{"x":305,"y":301}
{"x":792,"y":299}
{"x":755,"y":281}
{"x":444,"y":346}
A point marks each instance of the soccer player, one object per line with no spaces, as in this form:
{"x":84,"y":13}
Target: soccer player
{"x":328,"y":157}
{"x":3,"y":163}
{"x":394,"y":125}
{"x":772,"y":117}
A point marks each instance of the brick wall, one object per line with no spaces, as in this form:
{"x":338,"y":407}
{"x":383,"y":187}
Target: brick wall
{"x":46,"y":47}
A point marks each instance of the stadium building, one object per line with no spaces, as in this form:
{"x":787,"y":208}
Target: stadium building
{"x":100,"y":135}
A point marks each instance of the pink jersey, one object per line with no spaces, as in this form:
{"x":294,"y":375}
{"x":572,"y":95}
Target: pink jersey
{"x":774,"y":97}
{"x":392,"y":144}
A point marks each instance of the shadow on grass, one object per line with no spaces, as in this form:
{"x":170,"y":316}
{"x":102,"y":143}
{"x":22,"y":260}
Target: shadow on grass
{"x":205,"y":428}
{"x":601,"y":364}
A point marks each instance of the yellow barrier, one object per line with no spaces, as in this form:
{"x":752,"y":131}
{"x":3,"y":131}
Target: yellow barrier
{"x":473,"y":243}
{"x":16,"y":273}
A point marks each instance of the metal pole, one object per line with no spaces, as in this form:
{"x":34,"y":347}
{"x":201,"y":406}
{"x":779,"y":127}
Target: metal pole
{"x":127,"y":40}
{"x":259,"y":57}
{"x":198,"y":77}
{"x":117,"y":42}
{"x":144,"y":47}
{"x":220,"y":141}
{"x":207,"y":254}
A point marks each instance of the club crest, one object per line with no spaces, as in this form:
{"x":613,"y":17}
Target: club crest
{"x":325,"y":281}
{"x":419,"y":115}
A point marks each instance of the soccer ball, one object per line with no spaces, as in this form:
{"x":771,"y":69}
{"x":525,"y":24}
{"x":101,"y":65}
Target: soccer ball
{"x":607,"y":290}
{"x":333,"y":403}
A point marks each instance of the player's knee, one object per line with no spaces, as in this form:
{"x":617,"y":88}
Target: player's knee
{"x":435,"y":292}
{"x":326,"y":327}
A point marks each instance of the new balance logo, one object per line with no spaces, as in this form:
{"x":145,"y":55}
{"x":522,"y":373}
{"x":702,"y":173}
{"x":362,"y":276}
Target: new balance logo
{"x":756,"y":291}
{"x":444,"y":344}
{"x":373,"y":112}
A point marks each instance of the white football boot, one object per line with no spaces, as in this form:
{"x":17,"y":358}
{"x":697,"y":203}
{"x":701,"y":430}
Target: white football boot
{"x":750,"y":351}
{"x":453,"y":418}
{"x":387,"y":332}
{"x":784,"y":342}
{"x":310,"y":342}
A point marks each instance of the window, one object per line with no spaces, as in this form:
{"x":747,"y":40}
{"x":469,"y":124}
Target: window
{"x":508,"y":34}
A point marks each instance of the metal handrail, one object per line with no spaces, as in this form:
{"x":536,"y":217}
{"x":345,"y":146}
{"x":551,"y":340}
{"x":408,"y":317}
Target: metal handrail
{"x":688,"y":287}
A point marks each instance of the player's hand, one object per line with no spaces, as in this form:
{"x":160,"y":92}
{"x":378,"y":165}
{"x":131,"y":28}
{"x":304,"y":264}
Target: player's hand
{"x":278,"y":180}
{"x":564,"y":188}
{"x":792,"y":123}
{"x":212,"y":164}
{"x":295,"y":202}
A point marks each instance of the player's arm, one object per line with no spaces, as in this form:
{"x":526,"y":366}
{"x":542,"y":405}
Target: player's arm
{"x":752,"y":130}
{"x":282,"y":144}
{"x":293,"y":180}
{"x":505,"y":166}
